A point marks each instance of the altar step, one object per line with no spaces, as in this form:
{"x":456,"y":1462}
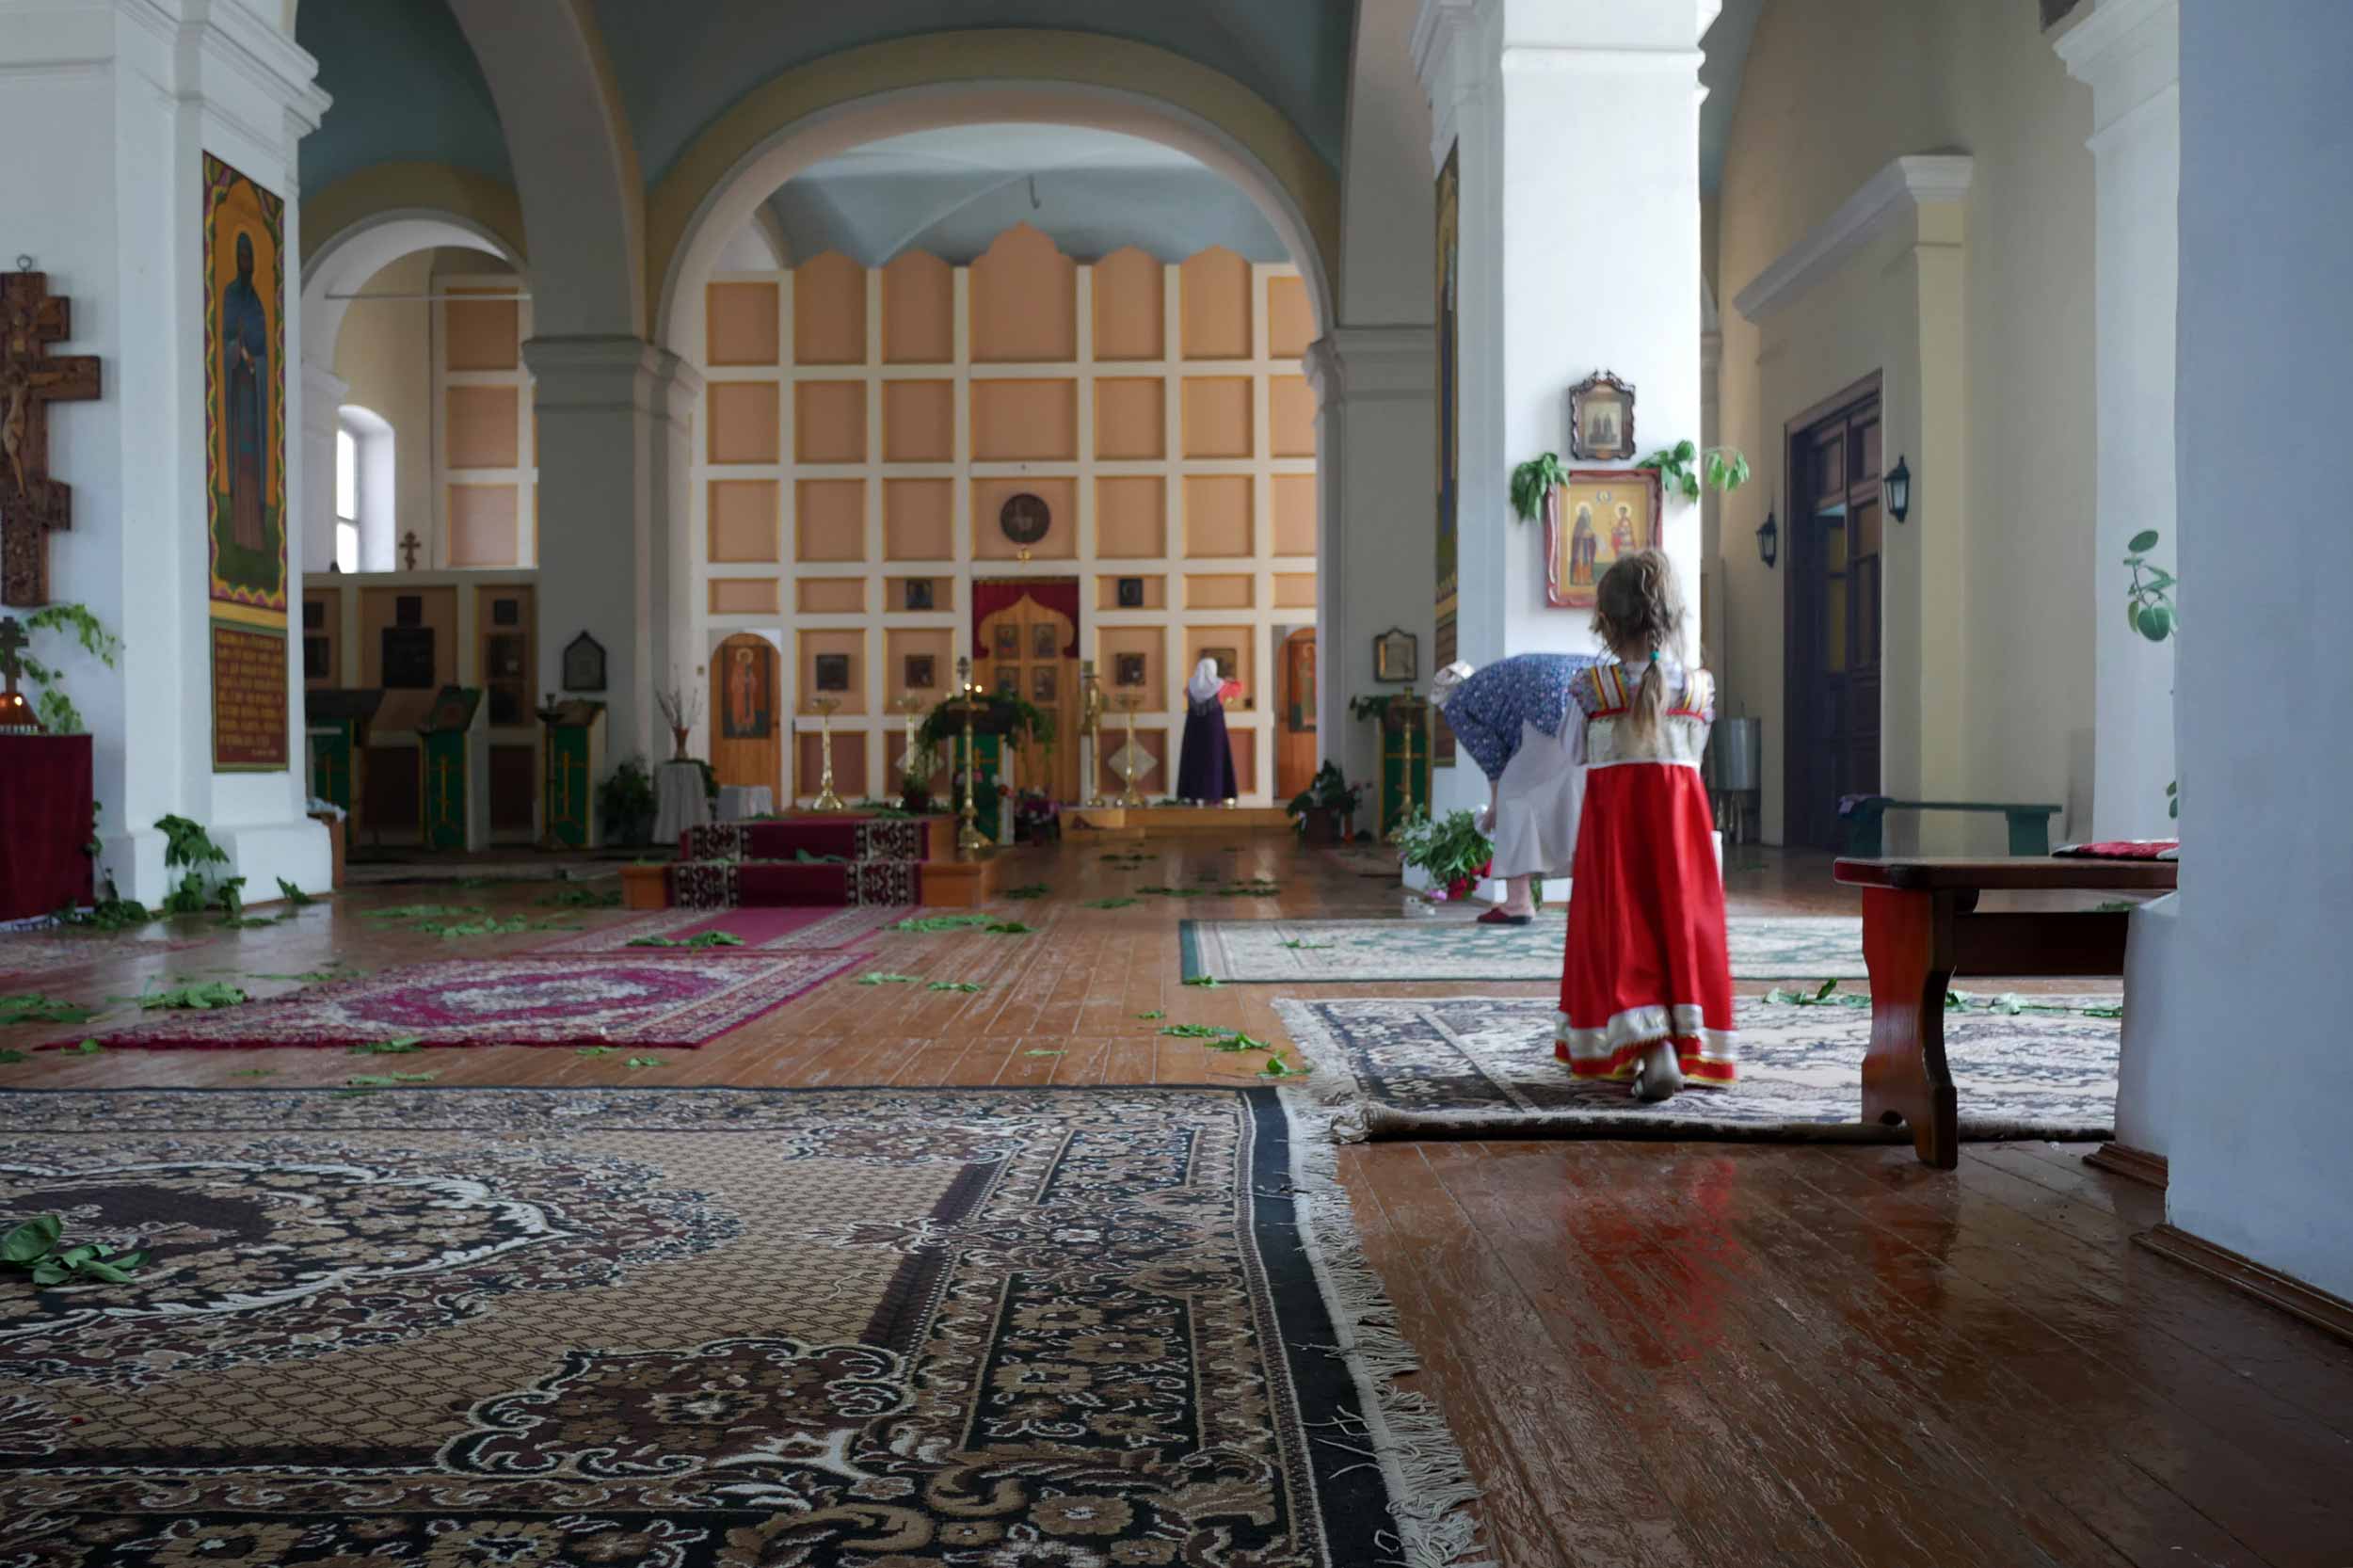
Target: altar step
{"x":819,"y":861}
{"x":1089,"y":821}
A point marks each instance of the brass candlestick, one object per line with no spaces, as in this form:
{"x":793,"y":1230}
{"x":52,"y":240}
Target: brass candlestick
{"x":1090,"y":730}
{"x":826,"y":800}
{"x":911,"y":705}
{"x":969,"y":840}
{"x":1407,"y":712}
{"x":1131,"y":762}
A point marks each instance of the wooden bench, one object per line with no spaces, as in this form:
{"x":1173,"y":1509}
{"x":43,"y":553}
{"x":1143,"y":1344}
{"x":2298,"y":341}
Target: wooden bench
{"x":1921,"y":926}
{"x":1867,"y":821}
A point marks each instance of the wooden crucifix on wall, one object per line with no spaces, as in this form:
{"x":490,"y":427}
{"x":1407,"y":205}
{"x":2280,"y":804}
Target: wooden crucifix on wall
{"x":32,"y":505}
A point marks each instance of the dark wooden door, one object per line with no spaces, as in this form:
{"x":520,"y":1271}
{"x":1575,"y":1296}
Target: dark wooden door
{"x":1832,"y":599}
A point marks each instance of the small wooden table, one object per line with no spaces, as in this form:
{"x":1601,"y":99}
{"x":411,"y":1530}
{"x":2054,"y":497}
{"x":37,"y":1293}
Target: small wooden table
{"x":1921,"y":927}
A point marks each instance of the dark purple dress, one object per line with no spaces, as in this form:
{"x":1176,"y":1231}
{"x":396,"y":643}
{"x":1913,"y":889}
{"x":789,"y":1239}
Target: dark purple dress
{"x":1206,"y":769}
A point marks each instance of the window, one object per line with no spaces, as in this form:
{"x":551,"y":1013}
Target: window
{"x":346,"y":502}
{"x":363,"y":490}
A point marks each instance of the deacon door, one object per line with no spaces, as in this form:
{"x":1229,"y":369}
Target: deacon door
{"x":1295,"y":715}
{"x":746,"y":740}
{"x":1832,"y":585}
{"x":1026,"y":648}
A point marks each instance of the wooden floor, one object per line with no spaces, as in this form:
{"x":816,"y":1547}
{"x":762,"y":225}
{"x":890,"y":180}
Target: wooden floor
{"x":1652,"y":1353}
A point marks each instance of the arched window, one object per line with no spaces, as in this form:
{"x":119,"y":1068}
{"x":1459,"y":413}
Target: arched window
{"x":364,"y":524}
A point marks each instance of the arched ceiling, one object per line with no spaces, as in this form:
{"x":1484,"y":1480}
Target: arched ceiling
{"x":406,"y":89}
{"x":1727,"y":48}
{"x":951,"y":192}
{"x":676,"y":74}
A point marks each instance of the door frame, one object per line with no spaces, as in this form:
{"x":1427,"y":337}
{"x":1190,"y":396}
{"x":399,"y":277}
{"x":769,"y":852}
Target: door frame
{"x":1797,"y":629}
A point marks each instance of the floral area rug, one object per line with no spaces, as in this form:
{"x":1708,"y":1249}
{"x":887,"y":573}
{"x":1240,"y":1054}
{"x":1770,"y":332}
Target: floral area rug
{"x":1825,"y":947}
{"x":674,"y":998}
{"x":784,"y":928}
{"x":695,"y":1328}
{"x":1476,"y":1067}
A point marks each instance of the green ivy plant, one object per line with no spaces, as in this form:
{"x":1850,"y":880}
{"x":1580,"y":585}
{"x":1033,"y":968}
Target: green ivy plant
{"x":56,"y":710}
{"x":1724,"y":469}
{"x":1329,"y":790}
{"x":1532,"y":484}
{"x":187,"y":845}
{"x":33,"y":1247}
{"x":2149,"y":603}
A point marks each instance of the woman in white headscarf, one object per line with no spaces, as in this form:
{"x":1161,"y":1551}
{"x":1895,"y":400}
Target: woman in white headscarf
{"x":1205,"y":769}
{"x":1512,"y":718}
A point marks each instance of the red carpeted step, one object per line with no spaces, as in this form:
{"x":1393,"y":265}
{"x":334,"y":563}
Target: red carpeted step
{"x":744,"y":883}
{"x":791,"y":837}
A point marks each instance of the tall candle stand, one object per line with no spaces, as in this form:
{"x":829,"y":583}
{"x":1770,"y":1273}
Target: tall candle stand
{"x":1131,"y":762}
{"x":909,"y":705}
{"x":826,"y":800}
{"x":1407,"y":712}
{"x":969,"y":840}
{"x":1091,"y":732}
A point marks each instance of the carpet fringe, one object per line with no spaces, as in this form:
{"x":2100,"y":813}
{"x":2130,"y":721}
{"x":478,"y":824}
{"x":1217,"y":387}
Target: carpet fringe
{"x":1429,"y":1481}
{"x":1331,"y":1100}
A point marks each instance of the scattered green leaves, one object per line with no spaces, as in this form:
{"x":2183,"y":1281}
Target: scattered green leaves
{"x":1109,"y":902}
{"x":583,"y":898}
{"x":643,"y":1062}
{"x":1194,"y":1032}
{"x":945,"y":923}
{"x":1298,"y":946}
{"x":1207,"y":981}
{"x":700,"y":939}
{"x":32,"y":1008}
{"x":107,"y":914}
{"x":1276,"y":1068}
{"x":458,"y":930}
{"x":1035,"y":889}
{"x":2009,"y":1003}
{"x":293,"y":894}
{"x":1155,"y":1013}
{"x":424,"y":912}
{"x":86,"y":1047}
{"x":390,"y":1048}
{"x":10,"y":1058}
{"x":1009,"y":928}
{"x":595,"y":1050}
{"x":1724,"y":466}
{"x":254,"y":1072}
{"x":954,"y":985}
{"x":877,"y":977}
{"x":33,"y":1247}
{"x":199,"y":998}
{"x":1045,"y":1054}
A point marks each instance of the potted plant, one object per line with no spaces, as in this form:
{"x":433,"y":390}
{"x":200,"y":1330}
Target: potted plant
{"x":1325,"y":810}
{"x":1725,"y":468}
{"x":1451,"y":851}
{"x":1535,"y":485}
{"x":625,"y":803}
{"x":682,"y":709}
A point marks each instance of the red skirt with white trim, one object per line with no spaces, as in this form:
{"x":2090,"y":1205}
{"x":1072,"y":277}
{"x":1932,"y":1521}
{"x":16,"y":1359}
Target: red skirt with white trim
{"x":1646,"y":957}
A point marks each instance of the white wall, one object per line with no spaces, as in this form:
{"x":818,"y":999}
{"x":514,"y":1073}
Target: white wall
{"x":384,"y":357}
{"x":2263,"y":1162}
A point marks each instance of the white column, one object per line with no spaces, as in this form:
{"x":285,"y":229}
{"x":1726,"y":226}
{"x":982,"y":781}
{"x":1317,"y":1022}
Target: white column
{"x":2129,"y":51}
{"x":323,"y":394}
{"x":678,"y":389}
{"x":1376,"y":470}
{"x":601,"y":567}
{"x":111,"y":105}
{"x":1528,"y":94}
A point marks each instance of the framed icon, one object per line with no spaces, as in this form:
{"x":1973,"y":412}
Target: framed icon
{"x":833,"y":672}
{"x":1132,"y":593}
{"x":1009,"y":682}
{"x":1042,"y":685}
{"x":1397,"y":657}
{"x":1228,"y":666}
{"x":919,"y":593}
{"x":1007,"y":640}
{"x":1127,"y":670}
{"x":1602,"y":514}
{"x":1601,"y":420}
{"x":1045,"y":641}
{"x":584,"y":665}
{"x":1024,"y":519}
{"x":922,"y":672}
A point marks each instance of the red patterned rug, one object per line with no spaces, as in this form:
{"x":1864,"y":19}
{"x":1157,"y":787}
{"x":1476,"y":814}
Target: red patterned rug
{"x":761,"y":929}
{"x":672,"y":1000}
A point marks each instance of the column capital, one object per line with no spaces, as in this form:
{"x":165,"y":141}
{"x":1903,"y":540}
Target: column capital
{"x":676,"y":385}
{"x":592,"y":371}
{"x":1353,"y":365}
{"x":2130,"y":54}
{"x":229,"y":39}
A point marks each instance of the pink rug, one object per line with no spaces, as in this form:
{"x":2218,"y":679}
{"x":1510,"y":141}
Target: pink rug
{"x":669,"y":999}
{"x":763,"y":929}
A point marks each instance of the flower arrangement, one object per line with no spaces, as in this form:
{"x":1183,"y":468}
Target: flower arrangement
{"x":1451,"y":851}
{"x":1322,"y":811}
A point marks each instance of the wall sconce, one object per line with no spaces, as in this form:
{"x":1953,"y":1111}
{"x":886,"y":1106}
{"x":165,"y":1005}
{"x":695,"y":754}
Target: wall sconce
{"x":1899,"y":491}
{"x":1769,"y":540}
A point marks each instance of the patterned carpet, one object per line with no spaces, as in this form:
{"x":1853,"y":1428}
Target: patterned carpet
{"x":1483,"y":1066}
{"x":1450,"y":947}
{"x":761,"y":929}
{"x":665,"y":998}
{"x":690,"y":1328}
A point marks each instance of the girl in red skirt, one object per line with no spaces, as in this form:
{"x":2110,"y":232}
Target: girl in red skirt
{"x":1646,"y":987}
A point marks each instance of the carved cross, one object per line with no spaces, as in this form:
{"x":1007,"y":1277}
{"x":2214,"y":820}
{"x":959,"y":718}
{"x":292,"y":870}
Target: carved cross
{"x":409,"y":545}
{"x":32,"y":505}
{"x":12,"y":641}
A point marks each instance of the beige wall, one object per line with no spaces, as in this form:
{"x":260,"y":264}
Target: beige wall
{"x":385,"y":353}
{"x":1981,"y":316}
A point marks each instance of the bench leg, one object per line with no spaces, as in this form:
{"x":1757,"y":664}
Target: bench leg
{"x":2029,"y":834}
{"x":1907,"y":947}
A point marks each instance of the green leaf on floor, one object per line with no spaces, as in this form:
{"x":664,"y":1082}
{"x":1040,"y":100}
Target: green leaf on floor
{"x":201,"y":998}
{"x":293,"y":894}
{"x":1277,"y":1068}
{"x":1035,"y":889}
{"x":385,"y":1081}
{"x":1196,"y":1031}
{"x":33,"y":1008}
{"x":1307,"y":946}
{"x":877,"y":977}
{"x":424,"y":912}
{"x":254,"y":1072}
{"x":946,"y":923}
{"x":1207,"y":981}
{"x":583,"y":898}
{"x":1155,"y":1013}
{"x":1108,"y":903}
{"x":88,"y":1047}
{"x":700,"y":939}
{"x":1045,"y":1054}
{"x":454,"y":931}
{"x":954,"y":985}
{"x":10,"y":1058}
{"x":1009,"y":928}
{"x":390,"y":1048}
{"x":643,"y":1062}
{"x":594,"y":1050}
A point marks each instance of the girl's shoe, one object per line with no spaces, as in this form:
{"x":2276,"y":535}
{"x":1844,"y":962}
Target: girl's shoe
{"x":1497,"y":917}
{"x":1660,"y":1075}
